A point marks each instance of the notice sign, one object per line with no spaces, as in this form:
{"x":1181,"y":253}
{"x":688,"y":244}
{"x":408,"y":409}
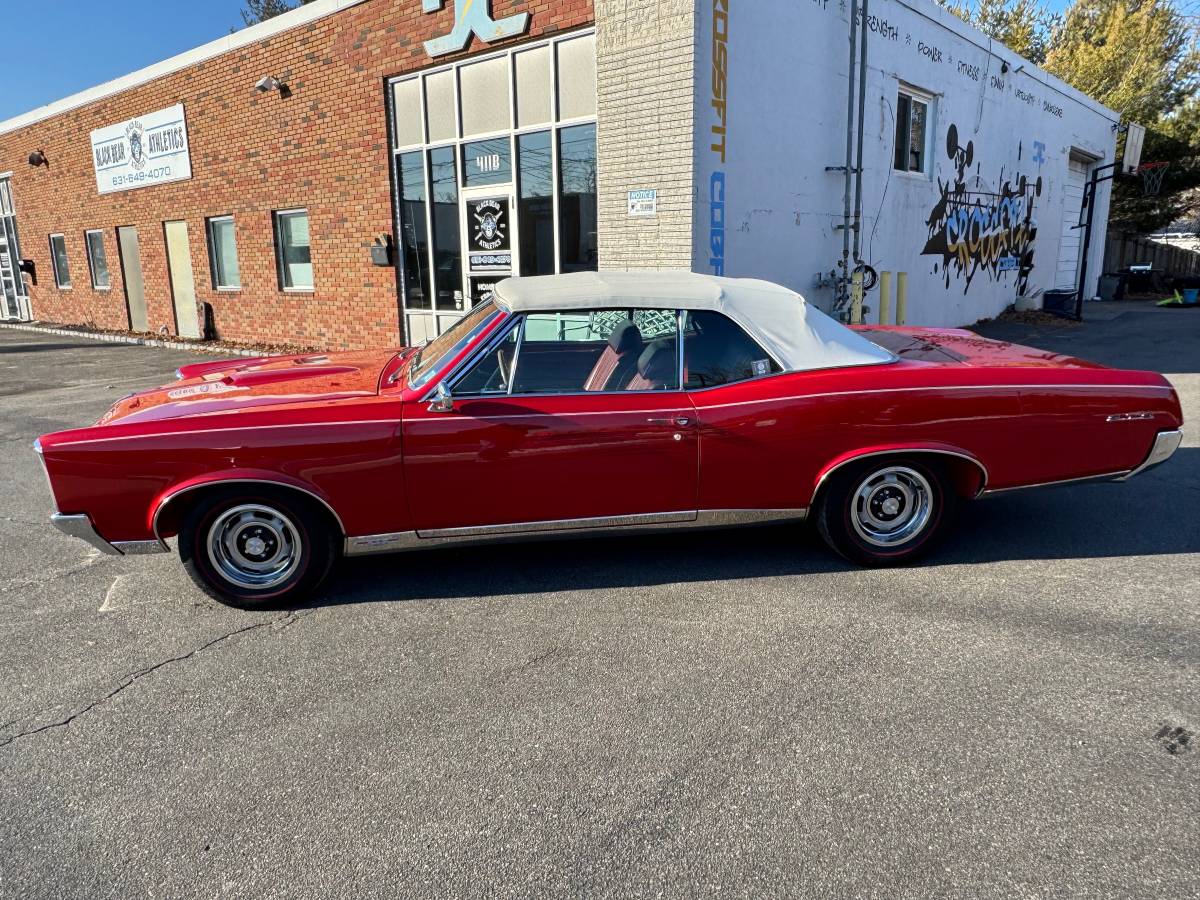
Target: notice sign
{"x":151,"y":149}
{"x":643,"y":203}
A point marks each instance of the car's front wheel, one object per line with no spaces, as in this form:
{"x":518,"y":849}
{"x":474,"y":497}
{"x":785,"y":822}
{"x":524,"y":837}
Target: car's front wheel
{"x":260,"y":549}
{"x":885,"y":511}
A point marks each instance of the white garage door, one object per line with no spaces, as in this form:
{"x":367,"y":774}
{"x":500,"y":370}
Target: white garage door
{"x":1067,"y":274}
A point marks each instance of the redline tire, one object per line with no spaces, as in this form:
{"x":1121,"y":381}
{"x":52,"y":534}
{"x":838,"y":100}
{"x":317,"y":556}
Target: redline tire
{"x":885,"y":511}
{"x":257,"y":548}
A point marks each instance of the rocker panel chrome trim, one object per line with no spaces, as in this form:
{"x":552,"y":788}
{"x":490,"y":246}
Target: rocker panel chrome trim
{"x":1104,"y":476}
{"x":395,"y":542}
{"x":141,"y":548}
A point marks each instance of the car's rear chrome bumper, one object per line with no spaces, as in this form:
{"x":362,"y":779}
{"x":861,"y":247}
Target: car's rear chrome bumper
{"x":80,"y":526}
{"x":1165,"y":444}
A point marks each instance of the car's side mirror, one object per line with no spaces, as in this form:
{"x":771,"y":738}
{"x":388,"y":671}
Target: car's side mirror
{"x":442,"y":401}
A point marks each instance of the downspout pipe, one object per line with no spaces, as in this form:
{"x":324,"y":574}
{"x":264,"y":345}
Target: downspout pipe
{"x":849,"y":145}
{"x":862,"y":119}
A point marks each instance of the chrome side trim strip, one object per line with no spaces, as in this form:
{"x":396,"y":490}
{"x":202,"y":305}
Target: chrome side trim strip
{"x":560,"y":525}
{"x":80,"y":526}
{"x":141,"y":548}
{"x":280,"y":484}
{"x":1105,"y":476}
{"x":399,"y":541}
{"x":900,"y":452}
{"x":1164,"y":446}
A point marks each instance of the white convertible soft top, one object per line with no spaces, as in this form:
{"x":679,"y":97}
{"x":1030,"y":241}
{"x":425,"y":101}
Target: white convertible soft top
{"x":797,"y":335}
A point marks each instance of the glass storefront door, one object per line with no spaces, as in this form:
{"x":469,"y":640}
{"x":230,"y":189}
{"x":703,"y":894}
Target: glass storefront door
{"x":14,"y":296}
{"x":490,"y":236}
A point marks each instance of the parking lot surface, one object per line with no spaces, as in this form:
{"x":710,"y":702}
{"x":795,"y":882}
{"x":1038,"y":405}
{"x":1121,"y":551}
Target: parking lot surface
{"x":734,"y":713}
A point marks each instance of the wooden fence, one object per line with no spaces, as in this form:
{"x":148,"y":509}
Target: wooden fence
{"x":1122,"y":250}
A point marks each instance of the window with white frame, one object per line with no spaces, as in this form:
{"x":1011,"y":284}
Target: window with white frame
{"x":222,"y":254}
{"x":523,"y":118}
{"x":913,"y":126}
{"x":97,"y":261}
{"x":58,"y":256}
{"x":292,"y":250}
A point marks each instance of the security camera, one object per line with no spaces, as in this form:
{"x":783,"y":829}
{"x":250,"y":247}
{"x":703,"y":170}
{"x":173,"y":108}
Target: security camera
{"x":266,"y":84}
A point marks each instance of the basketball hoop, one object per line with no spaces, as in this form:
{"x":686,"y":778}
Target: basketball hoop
{"x":1152,"y":177}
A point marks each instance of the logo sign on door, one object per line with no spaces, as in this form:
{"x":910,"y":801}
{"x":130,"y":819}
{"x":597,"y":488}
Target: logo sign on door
{"x":488,"y":227}
{"x":473,"y":17}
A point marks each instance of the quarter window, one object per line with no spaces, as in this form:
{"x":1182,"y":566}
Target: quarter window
{"x":58,"y":255}
{"x":293,"y":250}
{"x":912,"y":130}
{"x":717,"y":351}
{"x":222,"y":253}
{"x":97,"y":261}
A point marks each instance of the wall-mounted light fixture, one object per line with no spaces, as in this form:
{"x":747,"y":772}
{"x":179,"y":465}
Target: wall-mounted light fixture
{"x":37,"y":159}
{"x":1003,"y":67}
{"x":269,"y":83}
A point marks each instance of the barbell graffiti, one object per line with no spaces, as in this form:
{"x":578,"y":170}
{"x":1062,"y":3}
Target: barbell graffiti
{"x":990,"y":231}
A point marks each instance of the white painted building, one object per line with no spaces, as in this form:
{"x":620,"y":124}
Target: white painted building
{"x":974,"y":159}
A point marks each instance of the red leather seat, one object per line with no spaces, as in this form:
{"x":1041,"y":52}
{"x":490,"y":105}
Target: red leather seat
{"x":618,"y":363}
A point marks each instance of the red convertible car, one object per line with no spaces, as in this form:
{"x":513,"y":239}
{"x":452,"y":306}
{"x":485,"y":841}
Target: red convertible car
{"x":585,"y":403}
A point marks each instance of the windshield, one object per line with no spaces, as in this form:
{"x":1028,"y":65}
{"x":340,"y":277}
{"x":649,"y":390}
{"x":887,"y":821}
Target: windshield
{"x":434,"y":356}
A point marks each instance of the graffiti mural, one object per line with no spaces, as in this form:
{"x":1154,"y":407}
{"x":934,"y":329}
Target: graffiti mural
{"x":981,"y":230}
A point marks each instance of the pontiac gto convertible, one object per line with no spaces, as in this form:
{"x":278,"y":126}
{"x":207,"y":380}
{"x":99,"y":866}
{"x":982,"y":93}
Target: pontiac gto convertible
{"x":588,"y":403}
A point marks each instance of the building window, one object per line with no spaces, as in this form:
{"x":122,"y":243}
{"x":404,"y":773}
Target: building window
{"x":414,"y":231}
{"x":222,"y":254}
{"x":515,"y":129}
{"x":97,"y":261}
{"x":912,"y":130}
{"x":447,"y":239}
{"x":58,"y":255}
{"x":577,"y":203}
{"x":535,"y":204}
{"x":293,"y":250}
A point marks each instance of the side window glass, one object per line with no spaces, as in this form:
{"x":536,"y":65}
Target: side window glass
{"x":586,"y":351}
{"x":717,"y":351}
{"x":492,"y":373}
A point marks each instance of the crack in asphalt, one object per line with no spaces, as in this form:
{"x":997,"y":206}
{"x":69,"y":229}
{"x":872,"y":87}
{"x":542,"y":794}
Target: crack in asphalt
{"x":284,"y":621}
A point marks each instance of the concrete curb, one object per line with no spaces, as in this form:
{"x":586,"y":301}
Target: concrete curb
{"x":212,"y":349}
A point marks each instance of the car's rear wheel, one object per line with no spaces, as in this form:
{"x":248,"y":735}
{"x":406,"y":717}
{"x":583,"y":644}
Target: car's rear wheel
{"x":885,"y":511}
{"x":264,"y":549}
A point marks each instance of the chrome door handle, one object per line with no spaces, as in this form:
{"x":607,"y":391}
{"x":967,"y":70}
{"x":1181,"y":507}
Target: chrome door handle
{"x":677,"y":421}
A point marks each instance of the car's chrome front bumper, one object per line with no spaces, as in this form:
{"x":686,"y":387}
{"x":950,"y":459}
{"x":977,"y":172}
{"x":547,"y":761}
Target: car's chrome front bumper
{"x":1165,"y":444}
{"x":80,"y":526}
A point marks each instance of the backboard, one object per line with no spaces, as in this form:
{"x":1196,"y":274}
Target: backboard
{"x":1134,"y":137}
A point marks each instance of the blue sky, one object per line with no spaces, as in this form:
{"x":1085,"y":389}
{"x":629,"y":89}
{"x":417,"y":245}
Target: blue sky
{"x":89,"y":43}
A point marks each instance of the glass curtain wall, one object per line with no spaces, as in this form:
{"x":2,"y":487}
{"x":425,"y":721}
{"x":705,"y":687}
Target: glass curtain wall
{"x":522,"y":120}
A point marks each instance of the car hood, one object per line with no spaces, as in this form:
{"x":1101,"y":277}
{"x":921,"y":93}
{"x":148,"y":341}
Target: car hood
{"x":231,"y":384}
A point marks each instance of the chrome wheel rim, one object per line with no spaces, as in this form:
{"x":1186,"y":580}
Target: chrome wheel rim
{"x":892,"y":506}
{"x":253,"y":546}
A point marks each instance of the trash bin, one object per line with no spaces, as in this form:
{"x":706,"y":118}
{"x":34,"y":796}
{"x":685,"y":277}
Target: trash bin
{"x":1110,"y":287}
{"x":1061,"y":303}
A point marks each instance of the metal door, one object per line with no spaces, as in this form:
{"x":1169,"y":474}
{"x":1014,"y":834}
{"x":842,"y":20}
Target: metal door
{"x":131,"y":274}
{"x":183,"y":284}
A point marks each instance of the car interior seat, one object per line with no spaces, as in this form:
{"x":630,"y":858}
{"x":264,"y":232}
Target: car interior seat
{"x":618,"y":363}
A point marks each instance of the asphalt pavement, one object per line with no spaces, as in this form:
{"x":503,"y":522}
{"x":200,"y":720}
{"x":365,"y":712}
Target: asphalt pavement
{"x":733,"y":713}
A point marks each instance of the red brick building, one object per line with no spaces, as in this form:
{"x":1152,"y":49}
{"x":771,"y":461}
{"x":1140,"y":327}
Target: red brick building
{"x":270,"y":237}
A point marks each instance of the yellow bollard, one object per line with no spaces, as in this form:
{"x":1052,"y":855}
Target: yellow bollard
{"x":901,"y":298}
{"x":856,"y":298}
{"x":885,"y":296}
